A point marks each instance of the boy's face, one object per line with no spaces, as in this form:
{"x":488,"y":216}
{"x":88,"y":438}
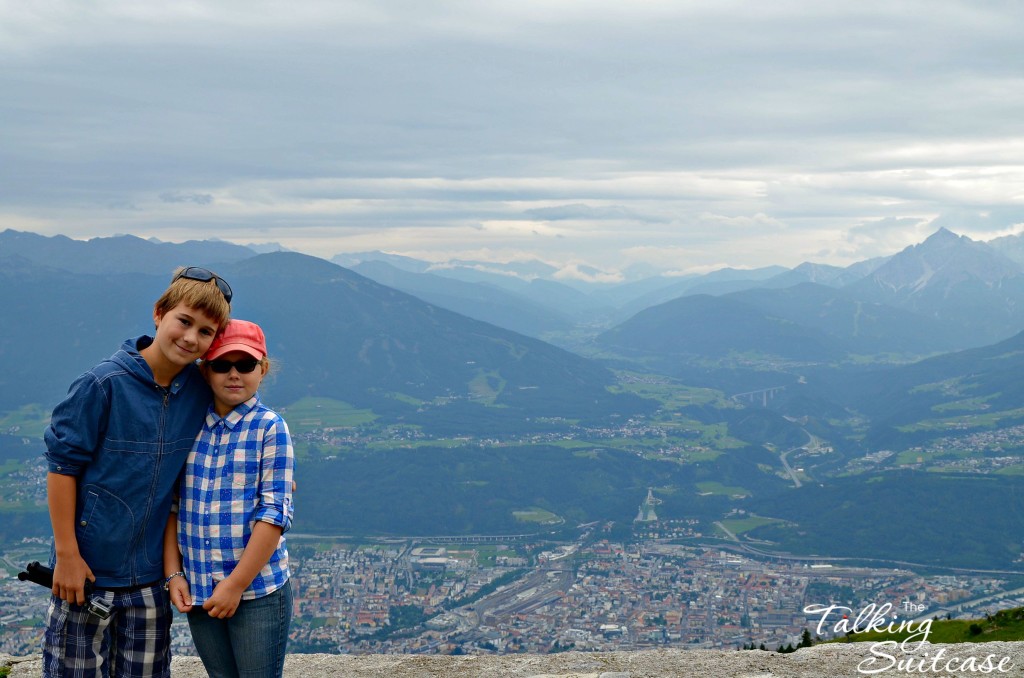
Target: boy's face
{"x":183,"y":334}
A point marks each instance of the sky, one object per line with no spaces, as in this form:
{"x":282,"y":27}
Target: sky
{"x":611,"y":140}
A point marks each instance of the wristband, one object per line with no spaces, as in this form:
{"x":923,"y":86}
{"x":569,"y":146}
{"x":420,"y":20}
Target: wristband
{"x":168,"y":580}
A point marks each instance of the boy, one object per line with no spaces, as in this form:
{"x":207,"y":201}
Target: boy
{"x":116,"y":446}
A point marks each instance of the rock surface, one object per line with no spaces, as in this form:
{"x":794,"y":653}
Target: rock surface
{"x":820,"y":661}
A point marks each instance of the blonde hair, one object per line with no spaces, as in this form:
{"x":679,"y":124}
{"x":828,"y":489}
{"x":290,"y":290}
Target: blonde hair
{"x":205,"y":296}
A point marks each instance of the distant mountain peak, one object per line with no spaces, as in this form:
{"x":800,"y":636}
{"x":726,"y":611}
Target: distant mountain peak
{"x":945,"y":233}
{"x":942,"y":262}
{"x":944,"y":239}
{"x":815,"y":272}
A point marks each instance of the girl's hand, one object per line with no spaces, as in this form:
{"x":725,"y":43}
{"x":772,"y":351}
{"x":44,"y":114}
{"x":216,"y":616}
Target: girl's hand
{"x":224,"y":601}
{"x":181,"y":596}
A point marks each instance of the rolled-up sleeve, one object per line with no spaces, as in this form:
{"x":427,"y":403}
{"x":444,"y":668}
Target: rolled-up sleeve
{"x":77,"y":426}
{"x":277,"y":467}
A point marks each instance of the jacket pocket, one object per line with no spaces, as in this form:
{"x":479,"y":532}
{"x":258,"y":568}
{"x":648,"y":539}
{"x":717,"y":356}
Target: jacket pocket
{"x":104,"y":530}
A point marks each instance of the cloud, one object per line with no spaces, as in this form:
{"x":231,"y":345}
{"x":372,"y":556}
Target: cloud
{"x":985,"y":224}
{"x":718,"y":131}
{"x":517,"y":229}
{"x":194,"y":198}
{"x":576,"y":271}
{"x":580,"y":211}
{"x":757,"y":222}
{"x":881,"y":237}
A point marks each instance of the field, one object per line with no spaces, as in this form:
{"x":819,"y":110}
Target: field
{"x":28,"y":421}
{"x":536,"y":515}
{"x":742,"y":525}
{"x":712,"y":487}
{"x":964,"y":422}
{"x":312,"y":414}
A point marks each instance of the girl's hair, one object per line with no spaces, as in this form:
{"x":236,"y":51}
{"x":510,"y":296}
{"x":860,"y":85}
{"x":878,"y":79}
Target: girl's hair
{"x":205,"y":296}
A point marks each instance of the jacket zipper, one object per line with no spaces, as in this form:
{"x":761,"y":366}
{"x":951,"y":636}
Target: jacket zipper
{"x":161,"y":425}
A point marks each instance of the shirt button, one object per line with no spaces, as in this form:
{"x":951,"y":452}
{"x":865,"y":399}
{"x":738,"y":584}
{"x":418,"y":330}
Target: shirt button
{"x":83,"y":523}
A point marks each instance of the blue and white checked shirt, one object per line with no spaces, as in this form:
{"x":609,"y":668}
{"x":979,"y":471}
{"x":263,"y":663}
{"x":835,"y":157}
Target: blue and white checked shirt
{"x":238,"y":472}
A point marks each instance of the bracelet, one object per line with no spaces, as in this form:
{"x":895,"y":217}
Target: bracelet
{"x":168,"y":580}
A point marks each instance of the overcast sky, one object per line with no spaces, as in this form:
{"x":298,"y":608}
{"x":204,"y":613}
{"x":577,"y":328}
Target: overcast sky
{"x":628,"y":136}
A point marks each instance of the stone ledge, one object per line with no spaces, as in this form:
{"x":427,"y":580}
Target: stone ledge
{"x":820,"y":661}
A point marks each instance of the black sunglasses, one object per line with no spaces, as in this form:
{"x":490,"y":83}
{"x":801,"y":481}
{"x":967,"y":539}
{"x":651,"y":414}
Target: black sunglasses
{"x":206,"y":275}
{"x":244,"y":366}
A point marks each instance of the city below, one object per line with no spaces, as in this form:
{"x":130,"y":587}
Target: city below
{"x":668,"y":585}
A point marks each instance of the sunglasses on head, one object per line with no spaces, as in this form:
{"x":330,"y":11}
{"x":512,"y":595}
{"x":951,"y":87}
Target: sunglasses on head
{"x":206,"y":275}
{"x":221,"y":366}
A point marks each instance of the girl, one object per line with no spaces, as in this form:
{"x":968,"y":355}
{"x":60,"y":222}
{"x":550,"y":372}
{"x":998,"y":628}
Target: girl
{"x":225,"y":560}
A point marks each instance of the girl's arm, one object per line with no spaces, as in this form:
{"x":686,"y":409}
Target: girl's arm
{"x":273,"y":516}
{"x":177,"y":586}
{"x":228,"y":592}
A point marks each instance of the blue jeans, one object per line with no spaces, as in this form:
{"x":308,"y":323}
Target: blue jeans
{"x":248,"y":644}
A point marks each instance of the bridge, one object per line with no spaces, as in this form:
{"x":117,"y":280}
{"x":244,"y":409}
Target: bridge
{"x":476,"y":538}
{"x":763,"y":395}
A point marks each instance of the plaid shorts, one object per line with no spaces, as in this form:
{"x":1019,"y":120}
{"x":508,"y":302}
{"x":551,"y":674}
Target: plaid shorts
{"x":134,"y":641}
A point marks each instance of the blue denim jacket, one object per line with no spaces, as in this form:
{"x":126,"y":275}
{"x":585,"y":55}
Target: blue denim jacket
{"x":125,"y":438}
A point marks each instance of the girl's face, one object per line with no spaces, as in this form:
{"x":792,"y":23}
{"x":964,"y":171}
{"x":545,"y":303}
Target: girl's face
{"x":233,"y":388}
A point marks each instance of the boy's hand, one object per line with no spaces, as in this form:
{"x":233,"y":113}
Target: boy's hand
{"x":181,"y":596}
{"x":69,"y":575}
{"x":224,"y":601}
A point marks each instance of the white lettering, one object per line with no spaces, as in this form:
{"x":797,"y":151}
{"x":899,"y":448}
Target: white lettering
{"x":928,"y":663}
{"x":825,"y":612}
{"x":884,"y":653}
{"x":868,"y":665}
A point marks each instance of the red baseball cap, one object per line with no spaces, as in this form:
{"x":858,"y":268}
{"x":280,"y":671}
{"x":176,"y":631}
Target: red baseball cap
{"x":239,"y":335}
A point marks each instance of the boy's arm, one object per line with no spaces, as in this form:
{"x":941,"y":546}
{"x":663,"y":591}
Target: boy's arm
{"x":76,"y":428}
{"x":70,"y":571}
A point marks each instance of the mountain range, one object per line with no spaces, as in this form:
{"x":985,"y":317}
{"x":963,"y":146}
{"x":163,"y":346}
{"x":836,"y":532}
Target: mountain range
{"x":401,"y":340}
{"x":888,"y":354}
{"x":337,"y":334}
{"x":946,"y":293}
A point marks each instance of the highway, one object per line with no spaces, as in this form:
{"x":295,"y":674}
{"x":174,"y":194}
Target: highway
{"x":735,"y":543}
